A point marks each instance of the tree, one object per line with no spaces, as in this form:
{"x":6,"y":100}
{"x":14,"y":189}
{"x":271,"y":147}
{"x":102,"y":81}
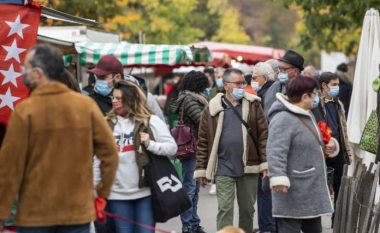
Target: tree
{"x":230,"y":29}
{"x":93,"y":9}
{"x":332,"y":24}
{"x":160,"y":21}
{"x":268,"y":23}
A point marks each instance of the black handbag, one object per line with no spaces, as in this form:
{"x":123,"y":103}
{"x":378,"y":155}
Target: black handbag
{"x":169,"y":198}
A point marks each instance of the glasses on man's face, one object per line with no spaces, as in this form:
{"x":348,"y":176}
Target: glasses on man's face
{"x":284,"y":69}
{"x":254,"y":78}
{"x":239,"y":84}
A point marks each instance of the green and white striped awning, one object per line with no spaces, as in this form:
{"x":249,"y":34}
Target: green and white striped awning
{"x":135,"y":54}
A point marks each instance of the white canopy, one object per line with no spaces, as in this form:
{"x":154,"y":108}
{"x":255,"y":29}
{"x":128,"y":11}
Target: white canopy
{"x":363,"y":100}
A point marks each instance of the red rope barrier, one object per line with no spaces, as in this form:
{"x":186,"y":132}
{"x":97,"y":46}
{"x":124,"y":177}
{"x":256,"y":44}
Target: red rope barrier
{"x":115,"y":216}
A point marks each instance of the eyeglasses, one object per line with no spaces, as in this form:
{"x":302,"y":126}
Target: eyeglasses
{"x":258,"y":76}
{"x":240,"y":84}
{"x":284,"y":69}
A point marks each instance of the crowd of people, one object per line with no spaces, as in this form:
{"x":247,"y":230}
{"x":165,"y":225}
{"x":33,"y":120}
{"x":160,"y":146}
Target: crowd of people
{"x":258,"y":139}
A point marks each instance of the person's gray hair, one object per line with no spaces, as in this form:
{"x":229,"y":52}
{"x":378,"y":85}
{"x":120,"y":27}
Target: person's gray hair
{"x":264,"y":69}
{"x":219,"y":70}
{"x":227,"y":74}
{"x":275,"y":64}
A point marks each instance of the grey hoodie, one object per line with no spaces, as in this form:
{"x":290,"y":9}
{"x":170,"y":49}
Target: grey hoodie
{"x":296,"y":160}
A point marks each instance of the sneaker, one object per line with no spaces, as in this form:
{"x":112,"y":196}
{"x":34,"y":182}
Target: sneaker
{"x":198,"y":229}
{"x":212,"y":189}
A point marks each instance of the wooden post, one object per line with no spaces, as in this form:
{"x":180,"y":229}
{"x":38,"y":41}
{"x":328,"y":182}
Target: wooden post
{"x":358,"y":176}
{"x":375,"y":221}
{"x":368,"y":214}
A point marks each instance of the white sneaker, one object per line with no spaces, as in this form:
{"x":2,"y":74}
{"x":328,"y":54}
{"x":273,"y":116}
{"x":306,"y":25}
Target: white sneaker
{"x":212,"y":189}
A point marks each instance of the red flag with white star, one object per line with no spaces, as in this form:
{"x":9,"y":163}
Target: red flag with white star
{"x":18,"y":33}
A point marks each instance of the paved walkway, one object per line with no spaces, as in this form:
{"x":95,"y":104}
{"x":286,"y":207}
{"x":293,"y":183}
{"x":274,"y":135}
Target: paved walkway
{"x":207,"y":209}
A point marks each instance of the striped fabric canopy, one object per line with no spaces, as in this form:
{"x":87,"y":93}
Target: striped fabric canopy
{"x":135,"y":54}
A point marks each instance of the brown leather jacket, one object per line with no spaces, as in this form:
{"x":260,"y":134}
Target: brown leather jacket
{"x":210,"y":130}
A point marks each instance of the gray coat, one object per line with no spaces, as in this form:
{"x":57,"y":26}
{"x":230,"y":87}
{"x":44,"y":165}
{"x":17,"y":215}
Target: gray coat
{"x":270,"y":95}
{"x":296,"y":160}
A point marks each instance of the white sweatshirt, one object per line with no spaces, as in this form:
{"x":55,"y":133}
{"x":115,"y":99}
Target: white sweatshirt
{"x":126,"y":182}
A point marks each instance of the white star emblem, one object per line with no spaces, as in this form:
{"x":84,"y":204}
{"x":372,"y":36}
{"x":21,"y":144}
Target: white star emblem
{"x":8,"y":100}
{"x":10,"y":76}
{"x":17,"y":27}
{"x":13,"y":51}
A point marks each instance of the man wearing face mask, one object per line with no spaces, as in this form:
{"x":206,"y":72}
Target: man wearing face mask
{"x":219,"y":86}
{"x":291,"y":65}
{"x":331,"y":110}
{"x":108,"y":71}
{"x":232,"y":151}
{"x":49,"y":144}
{"x":262,"y":80}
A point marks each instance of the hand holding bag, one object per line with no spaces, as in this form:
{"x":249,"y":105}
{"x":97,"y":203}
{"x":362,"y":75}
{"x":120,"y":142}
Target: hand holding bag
{"x":169,"y":198}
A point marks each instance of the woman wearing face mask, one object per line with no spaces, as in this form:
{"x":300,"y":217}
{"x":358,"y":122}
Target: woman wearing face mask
{"x":130,"y":120}
{"x":262,"y":79}
{"x":295,"y":153}
{"x":191,"y":102}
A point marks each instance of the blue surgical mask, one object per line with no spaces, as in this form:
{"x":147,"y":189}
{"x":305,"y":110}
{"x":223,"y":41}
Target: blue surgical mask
{"x":334,"y":91}
{"x":238,"y":93}
{"x":316,"y":101}
{"x":207,"y":92}
{"x":102,"y":87}
{"x":283,"y":77}
{"x":255,"y":86}
{"x":219,"y":83}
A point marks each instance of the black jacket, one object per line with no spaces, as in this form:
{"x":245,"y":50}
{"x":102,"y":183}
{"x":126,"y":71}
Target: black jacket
{"x":320,"y":115}
{"x":345,"y":92}
{"x":104,"y":102}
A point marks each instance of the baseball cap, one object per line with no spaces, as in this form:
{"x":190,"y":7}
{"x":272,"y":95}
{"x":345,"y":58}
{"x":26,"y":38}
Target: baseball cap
{"x":107,"y":64}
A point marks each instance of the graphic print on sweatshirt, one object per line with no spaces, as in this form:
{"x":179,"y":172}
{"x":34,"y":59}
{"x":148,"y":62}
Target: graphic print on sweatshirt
{"x":124,"y":142}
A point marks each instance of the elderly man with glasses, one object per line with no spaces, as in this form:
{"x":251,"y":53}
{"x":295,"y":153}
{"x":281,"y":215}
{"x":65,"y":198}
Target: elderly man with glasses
{"x":291,"y":66}
{"x":232,"y":149}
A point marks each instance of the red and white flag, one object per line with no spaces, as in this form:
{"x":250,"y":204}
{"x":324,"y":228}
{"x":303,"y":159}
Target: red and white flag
{"x":18,"y":33}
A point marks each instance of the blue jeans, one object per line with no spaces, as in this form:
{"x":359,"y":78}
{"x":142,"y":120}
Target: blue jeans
{"x":190,"y":218}
{"x":264,"y":208}
{"x":83,"y":228}
{"x":139,"y":211}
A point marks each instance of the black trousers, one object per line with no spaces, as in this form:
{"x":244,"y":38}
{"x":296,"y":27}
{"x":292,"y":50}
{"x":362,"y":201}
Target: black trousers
{"x":337,"y":163}
{"x":291,"y":225}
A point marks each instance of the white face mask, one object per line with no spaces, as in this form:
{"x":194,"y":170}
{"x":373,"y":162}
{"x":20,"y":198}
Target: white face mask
{"x":255,"y":86}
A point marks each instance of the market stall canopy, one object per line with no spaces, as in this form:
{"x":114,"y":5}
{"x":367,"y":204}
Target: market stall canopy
{"x":65,"y":37}
{"x":142,"y":55}
{"x":242,"y":53}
